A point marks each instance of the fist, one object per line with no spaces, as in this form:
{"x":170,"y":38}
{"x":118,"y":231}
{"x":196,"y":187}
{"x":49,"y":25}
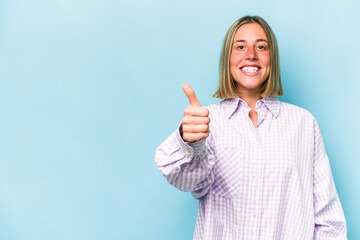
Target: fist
{"x":195,"y":123}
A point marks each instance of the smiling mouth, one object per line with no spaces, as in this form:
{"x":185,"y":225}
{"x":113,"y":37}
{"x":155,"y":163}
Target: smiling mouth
{"x":250,"y":69}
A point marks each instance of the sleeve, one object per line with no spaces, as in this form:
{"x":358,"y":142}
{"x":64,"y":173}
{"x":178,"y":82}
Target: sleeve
{"x":329,"y":217}
{"x":187,"y":166}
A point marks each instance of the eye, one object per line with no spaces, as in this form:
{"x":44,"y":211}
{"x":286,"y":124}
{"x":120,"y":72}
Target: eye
{"x":240,"y":47}
{"x":262,"y":47}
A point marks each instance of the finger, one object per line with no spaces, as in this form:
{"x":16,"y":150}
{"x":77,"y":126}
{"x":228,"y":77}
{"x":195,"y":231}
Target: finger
{"x":195,"y":120}
{"x":191,"y":95}
{"x":192,"y":137}
{"x":198,"y":111}
{"x":195,"y":128}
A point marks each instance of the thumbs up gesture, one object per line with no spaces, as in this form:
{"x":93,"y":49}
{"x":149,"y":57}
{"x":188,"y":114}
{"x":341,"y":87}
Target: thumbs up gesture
{"x":195,"y":123}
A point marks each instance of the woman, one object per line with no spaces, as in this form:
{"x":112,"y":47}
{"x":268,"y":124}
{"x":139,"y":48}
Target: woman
{"x":259,"y":167}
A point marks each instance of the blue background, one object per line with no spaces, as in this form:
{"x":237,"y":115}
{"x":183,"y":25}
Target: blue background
{"x":90,"y":88}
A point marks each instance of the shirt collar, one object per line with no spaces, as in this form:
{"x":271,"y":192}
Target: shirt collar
{"x":273,"y":105}
{"x":231,"y":105}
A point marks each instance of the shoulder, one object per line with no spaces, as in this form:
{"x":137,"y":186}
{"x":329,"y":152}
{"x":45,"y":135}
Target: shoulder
{"x":288,"y":109}
{"x":223,"y":108}
{"x":296,"y":116}
{"x":219,"y":106}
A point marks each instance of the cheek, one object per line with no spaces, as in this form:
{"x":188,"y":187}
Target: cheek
{"x":268,"y":67}
{"x":235,"y":58}
{"x":265,"y":59}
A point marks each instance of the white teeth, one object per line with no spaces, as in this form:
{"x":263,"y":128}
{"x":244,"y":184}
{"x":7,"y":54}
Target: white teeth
{"x":250,"y":69}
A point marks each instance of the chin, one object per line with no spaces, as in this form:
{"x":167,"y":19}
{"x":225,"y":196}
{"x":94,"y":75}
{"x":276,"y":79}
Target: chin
{"x":250,"y":86}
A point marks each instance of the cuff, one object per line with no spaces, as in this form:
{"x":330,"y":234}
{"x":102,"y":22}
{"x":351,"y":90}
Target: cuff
{"x":190,"y":149}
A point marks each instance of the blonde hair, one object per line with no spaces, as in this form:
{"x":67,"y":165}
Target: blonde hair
{"x":227,"y":86}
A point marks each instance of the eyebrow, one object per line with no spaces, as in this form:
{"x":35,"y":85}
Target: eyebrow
{"x":257,"y":40}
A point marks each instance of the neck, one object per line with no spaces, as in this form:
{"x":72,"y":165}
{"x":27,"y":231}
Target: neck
{"x":250,"y":98}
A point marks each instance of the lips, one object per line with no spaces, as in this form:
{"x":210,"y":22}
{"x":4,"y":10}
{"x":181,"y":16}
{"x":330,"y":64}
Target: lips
{"x":250,"y":70}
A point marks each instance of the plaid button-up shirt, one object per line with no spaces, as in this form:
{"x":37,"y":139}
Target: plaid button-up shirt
{"x":269,"y":181}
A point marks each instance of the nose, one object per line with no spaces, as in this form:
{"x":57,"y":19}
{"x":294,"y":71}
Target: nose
{"x":251,"y":54}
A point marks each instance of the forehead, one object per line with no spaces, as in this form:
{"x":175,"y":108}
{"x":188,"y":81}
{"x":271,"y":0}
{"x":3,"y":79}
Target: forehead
{"x":250,"y":32}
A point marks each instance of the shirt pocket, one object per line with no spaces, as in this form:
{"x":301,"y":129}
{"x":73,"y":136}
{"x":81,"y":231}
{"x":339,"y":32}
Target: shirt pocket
{"x":228,"y":177}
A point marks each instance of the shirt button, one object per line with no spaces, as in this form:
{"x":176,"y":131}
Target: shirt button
{"x":256,"y":179}
{"x":254,"y":215}
{"x":188,"y":153}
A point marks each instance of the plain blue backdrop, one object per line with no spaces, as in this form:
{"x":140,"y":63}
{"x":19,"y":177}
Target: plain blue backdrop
{"x":90,"y":88}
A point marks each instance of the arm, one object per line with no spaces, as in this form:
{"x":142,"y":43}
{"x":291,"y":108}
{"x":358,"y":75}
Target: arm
{"x":329,"y":217}
{"x":186,"y":158}
{"x":187,"y":166}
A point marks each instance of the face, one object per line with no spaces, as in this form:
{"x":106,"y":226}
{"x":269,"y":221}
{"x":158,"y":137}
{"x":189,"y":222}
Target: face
{"x":250,"y":58}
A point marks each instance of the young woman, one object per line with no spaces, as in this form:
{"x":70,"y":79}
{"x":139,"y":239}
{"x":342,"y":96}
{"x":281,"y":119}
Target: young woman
{"x":257,"y":165}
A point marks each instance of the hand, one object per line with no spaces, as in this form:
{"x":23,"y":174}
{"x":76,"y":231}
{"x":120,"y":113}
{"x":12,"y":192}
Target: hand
{"x":195,"y":123}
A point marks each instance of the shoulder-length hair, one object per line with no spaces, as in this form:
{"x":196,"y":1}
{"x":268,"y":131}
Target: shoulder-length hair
{"x":227,"y":86}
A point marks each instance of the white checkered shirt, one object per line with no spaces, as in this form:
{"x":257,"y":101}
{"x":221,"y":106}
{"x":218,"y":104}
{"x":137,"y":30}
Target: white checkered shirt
{"x":269,"y":181}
